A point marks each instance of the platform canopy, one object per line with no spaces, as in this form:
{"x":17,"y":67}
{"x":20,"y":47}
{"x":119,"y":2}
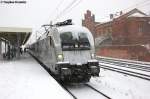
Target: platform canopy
{"x":15,"y":35}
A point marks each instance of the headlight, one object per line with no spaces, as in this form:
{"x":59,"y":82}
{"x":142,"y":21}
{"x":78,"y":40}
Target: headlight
{"x":60,"y":57}
{"x":92,"y":56}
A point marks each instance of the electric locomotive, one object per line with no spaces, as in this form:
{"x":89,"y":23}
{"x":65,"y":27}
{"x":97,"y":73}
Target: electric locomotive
{"x":68,"y":51}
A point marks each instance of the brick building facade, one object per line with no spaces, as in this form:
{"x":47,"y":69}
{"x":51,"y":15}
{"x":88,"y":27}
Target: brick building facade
{"x":89,"y":22}
{"x":130,"y":33}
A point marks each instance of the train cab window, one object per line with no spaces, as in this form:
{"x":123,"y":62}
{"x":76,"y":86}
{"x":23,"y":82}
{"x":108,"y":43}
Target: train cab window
{"x":83,"y":40}
{"x":74,"y":41}
{"x":67,"y":40}
{"x":66,"y":36}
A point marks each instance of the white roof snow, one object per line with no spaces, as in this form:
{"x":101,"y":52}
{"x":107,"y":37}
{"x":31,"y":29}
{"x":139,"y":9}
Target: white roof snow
{"x":137,"y":15}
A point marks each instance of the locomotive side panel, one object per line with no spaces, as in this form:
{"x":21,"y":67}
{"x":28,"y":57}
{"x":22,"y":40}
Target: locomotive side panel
{"x":47,"y":53}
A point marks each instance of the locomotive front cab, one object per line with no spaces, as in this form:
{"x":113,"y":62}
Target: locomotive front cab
{"x":77,"y":62}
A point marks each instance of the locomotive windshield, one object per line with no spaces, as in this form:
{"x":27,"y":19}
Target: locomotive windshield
{"x":72,"y":41}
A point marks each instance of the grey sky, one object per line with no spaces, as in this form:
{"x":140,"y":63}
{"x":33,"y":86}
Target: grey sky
{"x":37,"y":12}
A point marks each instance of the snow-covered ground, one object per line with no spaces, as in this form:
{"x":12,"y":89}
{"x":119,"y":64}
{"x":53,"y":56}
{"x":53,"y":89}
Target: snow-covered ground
{"x":25,"y":79}
{"x":120,"y":86}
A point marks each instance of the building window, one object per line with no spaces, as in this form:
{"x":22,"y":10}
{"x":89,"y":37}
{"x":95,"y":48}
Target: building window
{"x":140,"y":30}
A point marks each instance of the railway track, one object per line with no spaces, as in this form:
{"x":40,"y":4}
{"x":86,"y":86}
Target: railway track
{"x":127,"y":72}
{"x":85,"y":91}
{"x":68,"y":90}
{"x":98,"y":91}
{"x":126,"y":67}
{"x":126,"y":64}
{"x":131,"y":62}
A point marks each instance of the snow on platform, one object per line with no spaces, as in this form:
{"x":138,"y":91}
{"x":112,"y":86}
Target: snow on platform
{"x":26,"y":79}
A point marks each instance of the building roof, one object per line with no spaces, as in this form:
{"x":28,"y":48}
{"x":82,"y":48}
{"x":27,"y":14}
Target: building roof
{"x":133,"y":13}
{"x":10,"y":34}
{"x":15,"y":29}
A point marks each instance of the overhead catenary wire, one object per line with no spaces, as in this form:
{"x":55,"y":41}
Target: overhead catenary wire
{"x":65,"y":9}
{"x":56,"y":8}
{"x":37,"y":33}
{"x":76,"y":4}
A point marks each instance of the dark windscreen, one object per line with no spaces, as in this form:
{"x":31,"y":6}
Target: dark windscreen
{"x":70,"y":42}
{"x":83,"y":40}
{"x":67,"y":40}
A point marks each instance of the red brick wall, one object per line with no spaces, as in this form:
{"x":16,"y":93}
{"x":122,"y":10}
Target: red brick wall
{"x":116,"y":53}
{"x":139,"y":31}
{"x":125,"y":52}
{"x":103,"y":29}
{"x":119,"y":30}
{"x":131,"y":31}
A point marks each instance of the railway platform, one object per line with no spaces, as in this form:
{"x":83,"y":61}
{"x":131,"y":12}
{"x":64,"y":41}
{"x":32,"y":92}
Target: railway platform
{"x":26,"y":79}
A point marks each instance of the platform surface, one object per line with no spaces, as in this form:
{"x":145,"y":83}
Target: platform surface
{"x":26,"y":79}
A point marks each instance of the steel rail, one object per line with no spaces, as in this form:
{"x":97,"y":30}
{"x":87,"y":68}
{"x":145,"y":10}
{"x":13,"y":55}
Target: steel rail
{"x":125,"y":61}
{"x":98,"y":91}
{"x":137,"y":67}
{"x":138,"y":75}
{"x":63,"y":86}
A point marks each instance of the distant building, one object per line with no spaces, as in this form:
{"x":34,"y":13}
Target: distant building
{"x":128,"y":28}
{"x":127,"y":31}
{"x":89,"y":22}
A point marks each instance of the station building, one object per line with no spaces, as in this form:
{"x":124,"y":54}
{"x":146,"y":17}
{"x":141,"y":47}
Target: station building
{"x":122,"y":36}
{"x":11,"y":40}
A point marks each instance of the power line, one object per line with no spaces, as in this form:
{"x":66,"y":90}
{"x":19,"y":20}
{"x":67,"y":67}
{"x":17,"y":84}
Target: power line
{"x":66,"y":8}
{"x":71,"y":8}
{"x":74,"y":6}
{"x":56,"y":8}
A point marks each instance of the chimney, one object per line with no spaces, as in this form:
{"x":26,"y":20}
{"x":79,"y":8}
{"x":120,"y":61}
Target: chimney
{"x":88,"y":12}
{"x":111,"y":16}
{"x":121,"y":12}
{"x":93,"y":17}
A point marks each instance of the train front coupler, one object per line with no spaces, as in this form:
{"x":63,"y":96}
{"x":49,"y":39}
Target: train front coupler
{"x":63,"y":69}
{"x":94,"y":68}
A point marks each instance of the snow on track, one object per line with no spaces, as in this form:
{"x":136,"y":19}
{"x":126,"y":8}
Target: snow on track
{"x":26,"y":79}
{"x":84,"y":92}
{"x":124,"y":68}
{"x":121,"y":86}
